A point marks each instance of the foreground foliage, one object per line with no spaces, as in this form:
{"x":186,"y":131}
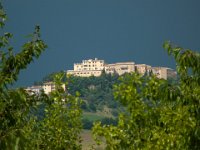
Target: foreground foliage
{"x":61,"y":126}
{"x":20,"y":126}
{"x":162,"y":115}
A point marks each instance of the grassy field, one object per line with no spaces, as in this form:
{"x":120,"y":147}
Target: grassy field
{"x":88,"y":141}
{"x":86,"y":135}
{"x":92,"y":116}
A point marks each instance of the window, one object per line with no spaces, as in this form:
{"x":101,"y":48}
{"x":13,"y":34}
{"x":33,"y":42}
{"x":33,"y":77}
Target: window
{"x":124,"y":68}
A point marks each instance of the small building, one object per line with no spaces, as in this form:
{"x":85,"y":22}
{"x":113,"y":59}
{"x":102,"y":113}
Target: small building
{"x":34,"y":89}
{"x":48,"y":87}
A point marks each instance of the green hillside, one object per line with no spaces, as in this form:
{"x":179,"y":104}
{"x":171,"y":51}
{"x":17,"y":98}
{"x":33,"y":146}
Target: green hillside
{"x":97,"y":95}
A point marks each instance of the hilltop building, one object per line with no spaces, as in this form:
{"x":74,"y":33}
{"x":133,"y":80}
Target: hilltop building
{"x":120,"y":68}
{"x":95,"y":67}
{"x":142,"y":68}
{"x":88,"y":68}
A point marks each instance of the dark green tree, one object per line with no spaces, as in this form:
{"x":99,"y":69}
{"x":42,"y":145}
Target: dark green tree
{"x":161,"y":114}
{"x":61,"y":127}
{"x":20,"y":125}
{"x":15,"y":105}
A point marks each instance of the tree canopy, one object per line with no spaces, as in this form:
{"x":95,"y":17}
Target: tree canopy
{"x":20,"y":126}
{"x":161,"y":114}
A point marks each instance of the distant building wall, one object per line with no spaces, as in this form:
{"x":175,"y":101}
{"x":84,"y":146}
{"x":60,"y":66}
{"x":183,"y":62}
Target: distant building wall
{"x":171,"y":73}
{"x":142,"y":68}
{"x":120,"y":68}
{"x":164,"y":72}
{"x":85,"y":73}
{"x":88,"y":68}
{"x":48,"y":87}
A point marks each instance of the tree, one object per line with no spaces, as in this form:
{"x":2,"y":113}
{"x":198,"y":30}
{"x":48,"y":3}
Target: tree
{"x":160,"y":114}
{"x":15,"y":104}
{"x":61,"y":127}
{"x":20,"y":126}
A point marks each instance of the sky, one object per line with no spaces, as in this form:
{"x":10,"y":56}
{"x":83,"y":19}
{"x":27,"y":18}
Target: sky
{"x":113,"y":30}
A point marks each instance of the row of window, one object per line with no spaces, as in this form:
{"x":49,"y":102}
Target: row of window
{"x":88,"y":69}
{"x":78,"y":73}
{"x":118,"y":69}
{"x":101,"y":61}
{"x":88,"y":66}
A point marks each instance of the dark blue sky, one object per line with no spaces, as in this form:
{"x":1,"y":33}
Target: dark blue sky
{"x":113,"y":30}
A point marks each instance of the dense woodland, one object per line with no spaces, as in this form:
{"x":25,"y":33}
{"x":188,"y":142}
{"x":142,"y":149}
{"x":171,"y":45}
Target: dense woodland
{"x":158,"y":114}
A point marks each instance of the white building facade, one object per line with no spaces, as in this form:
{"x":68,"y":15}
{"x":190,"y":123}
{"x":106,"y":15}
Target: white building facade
{"x":95,"y":67}
{"x":48,"y":87}
{"x":88,"y":68}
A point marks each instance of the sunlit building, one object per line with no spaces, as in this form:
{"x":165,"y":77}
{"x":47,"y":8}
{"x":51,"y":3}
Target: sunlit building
{"x":48,"y":87}
{"x":88,"y":68}
{"x":95,"y":67}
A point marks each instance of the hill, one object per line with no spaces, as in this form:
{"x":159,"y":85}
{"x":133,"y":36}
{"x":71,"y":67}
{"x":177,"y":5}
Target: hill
{"x":97,"y":95}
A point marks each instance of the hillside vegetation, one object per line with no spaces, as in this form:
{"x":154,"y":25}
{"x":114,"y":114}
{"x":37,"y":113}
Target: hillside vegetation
{"x":97,"y":94}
